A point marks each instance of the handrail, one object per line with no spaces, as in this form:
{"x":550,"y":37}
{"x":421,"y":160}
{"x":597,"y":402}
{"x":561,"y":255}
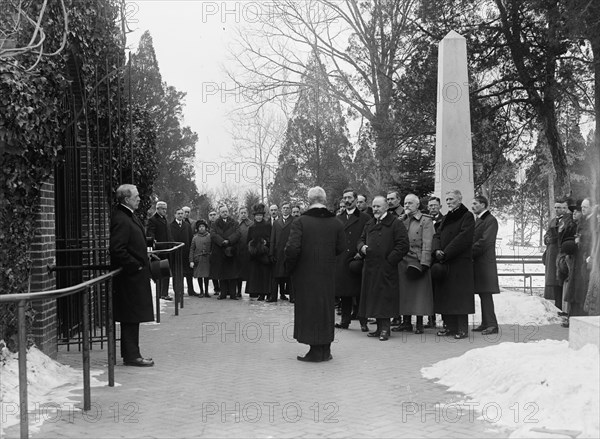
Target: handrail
{"x":23,"y":298}
{"x":178,"y":275}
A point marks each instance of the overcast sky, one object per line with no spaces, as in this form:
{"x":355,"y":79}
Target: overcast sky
{"x":191,"y":39}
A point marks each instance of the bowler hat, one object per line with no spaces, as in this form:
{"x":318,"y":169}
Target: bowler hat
{"x":568,"y":247}
{"x":355,"y":266}
{"x":414,"y":270}
{"x":439,"y":271}
{"x":160,"y":269}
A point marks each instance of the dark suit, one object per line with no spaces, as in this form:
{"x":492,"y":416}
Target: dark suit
{"x":132,"y":292}
{"x":223,"y":259}
{"x":485,"y":270}
{"x":280,"y":232}
{"x":347,"y":283}
{"x":183,"y":233}
{"x":159,"y":230}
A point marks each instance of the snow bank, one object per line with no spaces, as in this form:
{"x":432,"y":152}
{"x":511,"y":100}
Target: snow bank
{"x":514,"y":308}
{"x":528,"y":386}
{"x":49,"y":388}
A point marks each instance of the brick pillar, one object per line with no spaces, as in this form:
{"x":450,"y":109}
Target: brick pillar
{"x":43,"y":253}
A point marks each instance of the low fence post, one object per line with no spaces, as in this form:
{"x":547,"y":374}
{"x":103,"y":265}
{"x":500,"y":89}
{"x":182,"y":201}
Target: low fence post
{"x":24,"y":414}
{"x":110,"y":333}
{"x":87,"y":399}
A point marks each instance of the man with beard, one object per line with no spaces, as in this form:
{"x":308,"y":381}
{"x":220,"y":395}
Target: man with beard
{"x":316,"y":238}
{"x":452,"y":271}
{"x":159,"y":229}
{"x":225,"y":235}
{"x":347,"y":282}
{"x":394,"y":203}
{"x":383,"y":243}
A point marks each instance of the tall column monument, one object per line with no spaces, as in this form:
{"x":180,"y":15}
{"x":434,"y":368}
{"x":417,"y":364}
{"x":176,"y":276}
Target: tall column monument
{"x":453,"y":150}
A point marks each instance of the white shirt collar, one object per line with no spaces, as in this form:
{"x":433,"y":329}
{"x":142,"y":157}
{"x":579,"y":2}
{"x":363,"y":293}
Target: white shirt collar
{"x":481,"y":214}
{"x":350,"y":212}
{"x":126,"y":206}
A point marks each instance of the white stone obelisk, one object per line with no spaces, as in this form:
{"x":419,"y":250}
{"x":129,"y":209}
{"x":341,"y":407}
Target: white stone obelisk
{"x":453,"y":150}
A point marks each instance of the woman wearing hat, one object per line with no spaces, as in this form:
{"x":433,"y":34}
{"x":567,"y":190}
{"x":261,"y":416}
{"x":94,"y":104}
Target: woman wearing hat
{"x":259,"y":236}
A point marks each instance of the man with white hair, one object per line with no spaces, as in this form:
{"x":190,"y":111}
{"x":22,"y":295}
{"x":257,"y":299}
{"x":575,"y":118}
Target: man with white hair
{"x":159,"y":230}
{"x":452,"y":272}
{"x":316,"y":238}
{"x":132,"y":292}
{"x":225,"y":235}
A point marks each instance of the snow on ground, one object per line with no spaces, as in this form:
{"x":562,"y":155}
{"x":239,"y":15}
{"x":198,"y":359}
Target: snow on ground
{"x":528,"y":386}
{"x":516,"y":308}
{"x":49,"y":387}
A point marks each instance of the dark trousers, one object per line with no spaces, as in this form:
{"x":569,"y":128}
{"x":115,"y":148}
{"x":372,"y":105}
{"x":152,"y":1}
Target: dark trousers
{"x":130,"y":341}
{"x":346,"y":305}
{"x":383,"y":324}
{"x":281,"y":285}
{"x":189,"y":278}
{"x":239,"y":287}
{"x":558,"y":296}
{"x":228,"y":287}
{"x":456,"y":322}
{"x":162,"y":286}
{"x":488,"y":315}
{"x":216,"y":285}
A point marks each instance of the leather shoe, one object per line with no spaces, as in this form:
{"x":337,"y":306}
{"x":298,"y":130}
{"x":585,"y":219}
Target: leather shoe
{"x":419,"y":331}
{"x":460,"y":335}
{"x":166,"y":298}
{"x":397,"y":329}
{"x":490,"y":330}
{"x":374,"y":334}
{"x":139,"y":362}
{"x":282,"y":297}
{"x":395,"y":322}
{"x":385,"y":335}
{"x":341,"y":326}
{"x":480,"y":328}
{"x":220,"y":298}
{"x":261,"y":298}
{"x":193,"y":294}
{"x":364,"y":328}
{"x":445,"y":333}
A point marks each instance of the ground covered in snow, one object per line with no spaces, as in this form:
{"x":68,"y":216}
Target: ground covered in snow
{"x":50,"y":388}
{"x":517,"y":308}
{"x":534,"y":387}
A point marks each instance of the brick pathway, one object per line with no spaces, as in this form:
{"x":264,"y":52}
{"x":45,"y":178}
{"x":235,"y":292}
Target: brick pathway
{"x":229,"y":369}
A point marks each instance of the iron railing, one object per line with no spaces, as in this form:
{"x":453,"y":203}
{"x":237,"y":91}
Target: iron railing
{"x":83,"y":290}
{"x":176,"y":258}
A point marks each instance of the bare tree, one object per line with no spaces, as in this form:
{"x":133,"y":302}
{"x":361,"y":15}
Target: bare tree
{"x":364,"y":47}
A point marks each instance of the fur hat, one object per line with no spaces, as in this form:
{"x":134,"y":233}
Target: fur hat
{"x":199,"y":223}
{"x":258,"y":209}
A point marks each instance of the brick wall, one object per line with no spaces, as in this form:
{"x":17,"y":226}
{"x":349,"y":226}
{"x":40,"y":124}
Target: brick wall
{"x":43,"y":254}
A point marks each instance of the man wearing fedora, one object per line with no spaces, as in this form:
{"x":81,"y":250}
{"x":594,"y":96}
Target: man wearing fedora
{"x":416,"y":293}
{"x":132,"y":292}
{"x":484,"y":263}
{"x":225,"y":235}
{"x":159,"y":230}
{"x":316,"y":238}
{"x":347,"y":281}
{"x":452,"y":272}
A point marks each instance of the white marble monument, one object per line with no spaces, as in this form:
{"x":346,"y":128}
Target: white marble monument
{"x":453,"y":151}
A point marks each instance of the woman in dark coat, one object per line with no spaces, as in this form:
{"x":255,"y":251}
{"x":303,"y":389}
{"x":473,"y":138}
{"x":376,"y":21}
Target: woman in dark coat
{"x":316,"y":238}
{"x":453,"y":293}
{"x":258,"y":242}
{"x":225,"y":235}
{"x":384,"y":242}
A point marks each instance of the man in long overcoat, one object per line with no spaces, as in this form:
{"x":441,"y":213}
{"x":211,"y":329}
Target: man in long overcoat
{"x":159,"y":229}
{"x":553,"y":288}
{"x":383,"y":243}
{"x":280,"y":233}
{"x":316,"y":238}
{"x":416,"y":292}
{"x":347,"y":282}
{"x":434,"y":206}
{"x":225,"y":235}
{"x":181,"y":231}
{"x":484,"y":263}
{"x":243,"y":255}
{"x":132,"y":292}
{"x":453,"y":292}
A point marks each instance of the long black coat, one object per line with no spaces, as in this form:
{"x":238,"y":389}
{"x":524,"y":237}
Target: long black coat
{"x":243,"y":257}
{"x":485,"y":270}
{"x":280,"y":233}
{"x":132,"y":293}
{"x":316,"y":238}
{"x":183,"y":234}
{"x":259,"y":271}
{"x":159,"y":229}
{"x":387,"y":244}
{"x":455,"y":293}
{"x":347,"y":283}
{"x":221,"y":265}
